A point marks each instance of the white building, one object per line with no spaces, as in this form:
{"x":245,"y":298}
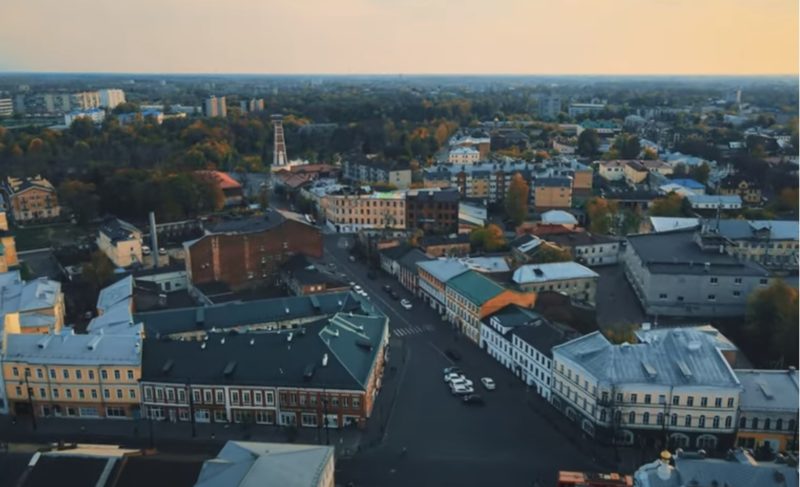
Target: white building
{"x":464,"y":155}
{"x":585,"y":108}
{"x":6,"y":107}
{"x":110,"y":98}
{"x":674,"y":383}
{"x":433,"y":277}
{"x":714,"y":201}
{"x":95,"y":115}
{"x":522,"y":340}
{"x":569,"y":278}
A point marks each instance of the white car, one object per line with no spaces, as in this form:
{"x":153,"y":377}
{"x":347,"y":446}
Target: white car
{"x":461,"y":390}
{"x":357,"y":288}
{"x":452,"y":376}
{"x":488,"y":383}
{"x":362,"y":292}
{"x":405,"y":303}
{"x":461,"y":381}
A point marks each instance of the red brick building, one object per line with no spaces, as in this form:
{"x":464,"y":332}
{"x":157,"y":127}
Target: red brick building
{"x":242,"y":253}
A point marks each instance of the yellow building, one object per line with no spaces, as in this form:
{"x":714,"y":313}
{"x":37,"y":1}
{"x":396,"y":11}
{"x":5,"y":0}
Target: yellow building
{"x":354,"y":212}
{"x":768,"y":409}
{"x":39,"y":304}
{"x":8,"y":246}
{"x":68,"y":375}
{"x":552,"y":193}
{"x":121,"y":242}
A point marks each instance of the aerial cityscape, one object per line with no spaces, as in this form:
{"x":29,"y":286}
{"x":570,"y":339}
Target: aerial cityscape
{"x":340,"y":253}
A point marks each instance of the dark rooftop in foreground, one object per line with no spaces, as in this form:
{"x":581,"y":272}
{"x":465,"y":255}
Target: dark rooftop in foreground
{"x":269,"y":220}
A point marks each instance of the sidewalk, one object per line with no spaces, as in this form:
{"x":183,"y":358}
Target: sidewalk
{"x":166,"y":436}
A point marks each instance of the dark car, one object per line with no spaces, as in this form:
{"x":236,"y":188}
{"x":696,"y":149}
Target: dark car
{"x":453,"y":354}
{"x":387,"y":288}
{"x":394,"y":295}
{"x":473,"y":400}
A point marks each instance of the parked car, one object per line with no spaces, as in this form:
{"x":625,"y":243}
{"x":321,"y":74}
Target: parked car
{"x":352,"y":258}
{"x":450,"y":376}
{"x":473,"y":400}
{"x":162,"y":251}
{"x":461,"y":381}
{"x":145,"y":250}
{"x":356,"y":287}
{"x":448,"y":370}
{"x":488,"y":383}
{"x":451,"y":353}
{"x":405,"y":303}
{"x":460,"y":390}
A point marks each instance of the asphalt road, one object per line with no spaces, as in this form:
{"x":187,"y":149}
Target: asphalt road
{"x":504,"y":442}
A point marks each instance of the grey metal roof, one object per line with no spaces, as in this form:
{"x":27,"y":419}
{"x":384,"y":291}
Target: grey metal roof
{"x":238,"y":314}
{"x":740,"y":469}
{"x":350,"y":342}
{"x":411,"y":258}
{"x":251,"y":464}
{"x":676,"y":252}
{"x":768,"y":390}
{"x":443,"y":269}
{"x":682,"y":356}
{"x":558,"y":217}
{"x":17,"y":295}
{"x":121,"y":290}
{"x":554,"y":271}
{"x":746,"y":229}
{"x":269,"y":220}
{"x":70,"y":349}
{"x":118,"y":230}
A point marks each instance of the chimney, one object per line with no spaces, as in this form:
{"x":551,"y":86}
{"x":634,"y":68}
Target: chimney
{"x":153,"y":239}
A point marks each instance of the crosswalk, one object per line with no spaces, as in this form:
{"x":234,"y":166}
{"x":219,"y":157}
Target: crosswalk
{"x":412,"y":330}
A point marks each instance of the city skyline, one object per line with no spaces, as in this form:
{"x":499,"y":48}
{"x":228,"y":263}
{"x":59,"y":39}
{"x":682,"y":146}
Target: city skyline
{"x":513,"y":37}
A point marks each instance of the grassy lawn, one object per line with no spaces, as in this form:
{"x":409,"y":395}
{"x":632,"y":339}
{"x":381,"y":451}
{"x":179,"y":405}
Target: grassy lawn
{"x":56,"y":235}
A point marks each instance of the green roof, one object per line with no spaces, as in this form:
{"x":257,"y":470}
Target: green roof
{"x":475,"y":287}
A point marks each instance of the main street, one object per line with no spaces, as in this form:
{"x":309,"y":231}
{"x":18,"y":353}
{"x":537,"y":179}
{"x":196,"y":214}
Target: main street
{"x":505,"y":442}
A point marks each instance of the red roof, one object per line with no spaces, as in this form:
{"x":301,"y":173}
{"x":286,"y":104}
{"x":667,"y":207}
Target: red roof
{"x":225,"y":181}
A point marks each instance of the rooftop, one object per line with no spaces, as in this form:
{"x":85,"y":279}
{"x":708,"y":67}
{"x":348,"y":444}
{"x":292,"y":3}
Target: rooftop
{"x":768,"y":390}
{"x":553,"y":182}
{"x":676,"y":252}
{"x":688,"y":183}
{"x":433,"y":240}
{"x":475,"y":287}
{"x":714,"y":199}
{"x":411,"y":258}
{"x":680,"y":356}
{"x":17,"y":185}
{"x":443,"y":269}
{"x":555,"y":271}
{"x":224,"y":180}
{"x":120,"y":291}
{"x":336,"y":353}
{"x":573,"y":239}
{"x":558,"y":217}
{"x":250,"y":464}
{"x":71,"y":349}
{"x":20,"y":296}
{"x":244,"y":314}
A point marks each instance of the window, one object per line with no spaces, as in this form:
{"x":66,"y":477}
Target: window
{"x":779,"y":424}
{"x":703,"y":402}
{"x":713,"y":280}
{"x":39,"y":374}
{"x":688,"y":421}
{"x":762,"y":282}
{"x":52,"y":373}
{"x":737,"y":293}
{"x":65,"y":373}
{"x":258,"y":398}
{"x":718,"y":402}
{"x":269,"y":398}
{"x":647,"y":398}
{"x":170,"y":395}
{"x":42,"y":393}
{"x":632,"y":418}
{"x":78,"y":374}
{"x":246,"y":398}
{"x":15,"y":371}
{"x":662,"y":399}
{"x":235,"y":397}
{"x":219,"y":416}
{"x":633,"y":398}
{"x":115,"y":412}
{"x":106,"y":394}
{"x":148,"y":393}
{"x":69,"y":393}
{"x":207,"y":396}
{"x":81,"y":394}
{"x":767,"y":423}
{"x":715,"y":422}
{"x":307,"y":419}
{"x":646,"y":418}
{"x":183,"y":414}
{"x":676,"y":400}
{"x":619,"y":397}
{"x":159,"y":394}
{"x":728,"y":421}
{"x":356,"y":402}
{"x":690,"y":401}
{"x":660,"y":419}
{"x":792,"y":424}
{"x":730,"y":402}
{"x":702,"y":421}
{"x":220,"y":396}
{"x":132,"y":393}
{"x":743,"y":422}
{"x":754,"y":423}
{"x":130,"y":375}
{"x":91,"y":375}
{"x":93,"y":392}
{"x":181,"y":396}
{"x":197,"y":396}
{"x":104,"y":374}
{"x":712,"y":297}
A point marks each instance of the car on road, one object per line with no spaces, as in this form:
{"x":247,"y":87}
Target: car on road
{"x":352,"y":284}
{"x":472,"y":400}
{"x":451,"y":353}
{"x":387,"y":288}
{"x":488,"y":383}
{"x":332,"y":265}
{"x":450,"y":376}
{"x":406,"y":304}
{"x":361,"y":292}
{"x":352,"y":258}
{"x":461,"y":381}
{"x":460,"y":390}
{"x":356,"y":288}
{"x":448,"y":370}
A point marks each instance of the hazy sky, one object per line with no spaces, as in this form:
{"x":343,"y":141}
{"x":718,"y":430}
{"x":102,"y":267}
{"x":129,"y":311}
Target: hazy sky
{"x":402,"y":36}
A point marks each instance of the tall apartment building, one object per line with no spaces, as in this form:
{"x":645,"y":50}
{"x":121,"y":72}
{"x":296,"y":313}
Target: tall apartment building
{"x":110,"y":98}
{"x":674,"y":385}
{"x":252,"y":105}
{"x":361,"y":169}
{"x":84,"y":100}
{"x":555,"y":192}
{"x":215,"y":107}
{"x":6,"y":107}
{"x":549,"y":106}
{"x":432,"y":210}
{"x":487,"y":180}
{"x":348,"y":213}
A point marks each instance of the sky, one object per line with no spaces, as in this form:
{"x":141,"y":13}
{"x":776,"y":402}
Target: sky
{"x":736,"y":37}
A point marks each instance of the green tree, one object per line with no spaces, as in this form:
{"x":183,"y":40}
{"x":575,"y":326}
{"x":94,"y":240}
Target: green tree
{"x":771,"y":326}
{"x":489,"y":238}
{"x":670,"y":205}
{"x":550,"y":253}
{"x":80,"y":197}
{"x":98,"y":271}
{"x":517,"y":199}
{"x":601,"y":213}
{"x":700,"y":173}
{"x":588,"y":143}
{"x":628,"y":146}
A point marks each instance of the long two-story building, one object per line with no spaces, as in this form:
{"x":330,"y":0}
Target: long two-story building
{"x":324,"y":374}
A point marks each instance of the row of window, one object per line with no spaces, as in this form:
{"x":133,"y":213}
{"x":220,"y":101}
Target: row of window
{"x":78,"y":374}
{"x":79,"y":393}
{"x":633,"y":398}
{"x":767,"y":425}
{"x":249,"y":398}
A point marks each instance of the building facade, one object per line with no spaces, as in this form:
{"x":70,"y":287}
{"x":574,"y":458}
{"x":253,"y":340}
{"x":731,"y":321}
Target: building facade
{"x":349,"y":213}
{"x":357,"y":168}
{"x":215,"y":107}
{"x":673,"y":390}
{"x":110,"y":98}
{"x":433,"y":277}
{"x":31,"y":199}
{"x":121,"y":242}
{"x":463,"y":155}
{"x":555,"y":192}
{"x":432,"y":211}
{"x":568,"y":278}
{"x":768,"y":409}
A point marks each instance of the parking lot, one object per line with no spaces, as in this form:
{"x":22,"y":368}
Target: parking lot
{"x":503,"y":442}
